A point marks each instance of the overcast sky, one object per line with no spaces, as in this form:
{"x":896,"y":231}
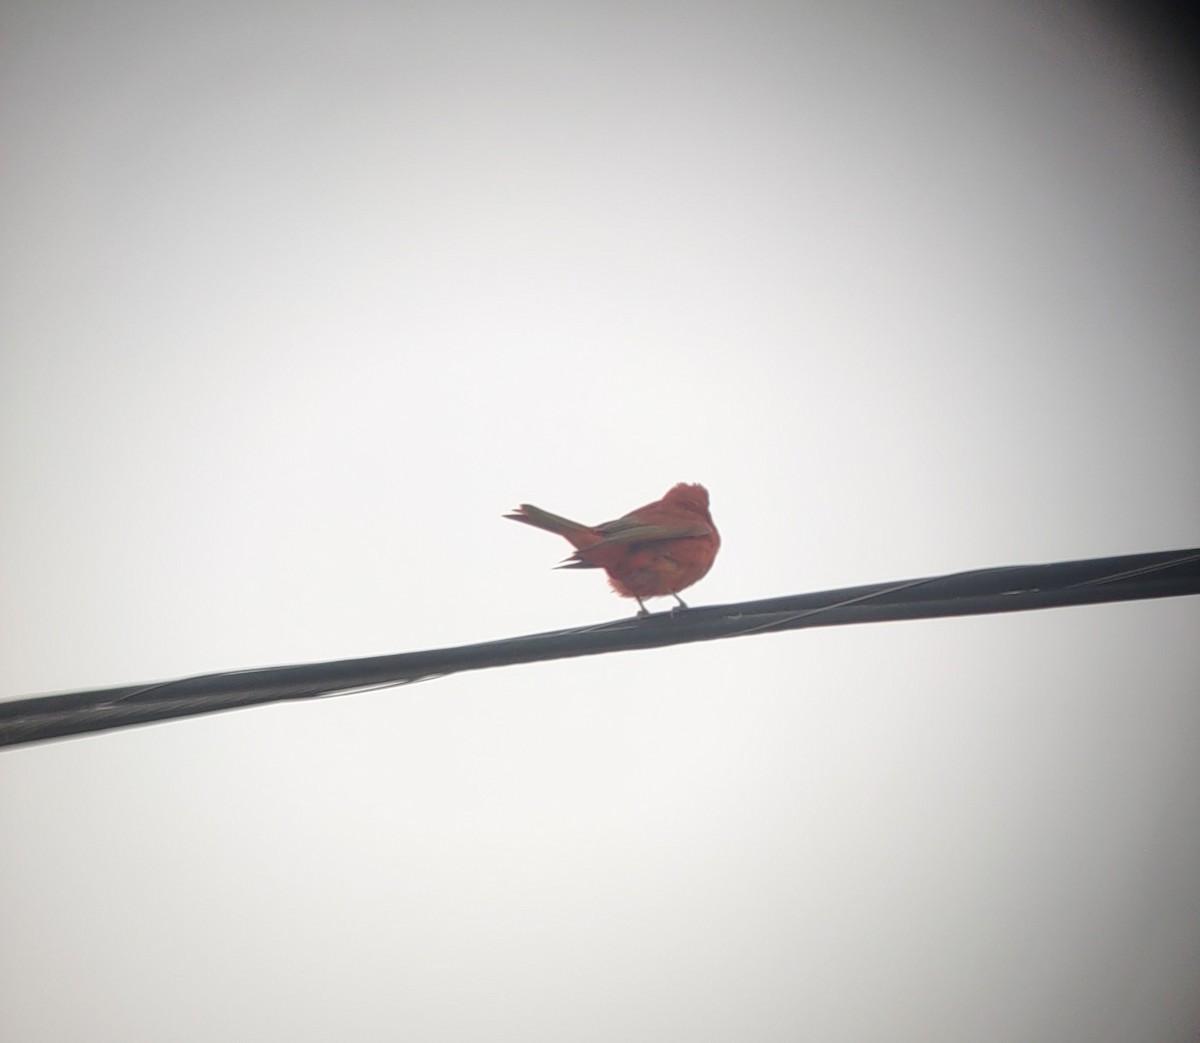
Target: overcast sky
{"x":297,"y":299}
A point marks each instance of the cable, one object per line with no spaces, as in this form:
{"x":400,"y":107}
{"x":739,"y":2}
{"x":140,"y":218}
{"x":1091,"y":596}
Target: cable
{"x":1009,"y":589}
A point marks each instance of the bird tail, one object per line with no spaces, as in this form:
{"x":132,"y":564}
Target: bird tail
{"x":579,"y":535}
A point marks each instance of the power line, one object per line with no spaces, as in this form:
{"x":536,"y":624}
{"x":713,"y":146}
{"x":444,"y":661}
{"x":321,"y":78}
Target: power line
{"x":1013,"y":588}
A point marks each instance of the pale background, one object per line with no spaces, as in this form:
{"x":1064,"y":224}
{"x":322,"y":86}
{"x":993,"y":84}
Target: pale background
{"x":298,"y":298}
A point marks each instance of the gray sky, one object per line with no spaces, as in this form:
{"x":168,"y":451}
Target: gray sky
{"x":298,"y":299}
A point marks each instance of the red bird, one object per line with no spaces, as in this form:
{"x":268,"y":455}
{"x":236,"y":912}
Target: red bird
{"x":650,"y":552}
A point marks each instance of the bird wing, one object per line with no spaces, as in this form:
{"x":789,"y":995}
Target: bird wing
{"x":631,"y":530}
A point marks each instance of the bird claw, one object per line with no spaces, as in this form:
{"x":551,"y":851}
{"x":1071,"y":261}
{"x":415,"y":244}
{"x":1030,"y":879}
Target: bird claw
{"x":643,"y":611}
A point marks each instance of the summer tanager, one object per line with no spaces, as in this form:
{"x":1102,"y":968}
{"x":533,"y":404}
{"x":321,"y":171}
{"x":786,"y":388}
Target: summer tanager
{"x":650,"y":552}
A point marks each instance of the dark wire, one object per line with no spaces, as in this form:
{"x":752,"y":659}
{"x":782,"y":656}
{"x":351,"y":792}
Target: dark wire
{"x":1008,"y":589}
